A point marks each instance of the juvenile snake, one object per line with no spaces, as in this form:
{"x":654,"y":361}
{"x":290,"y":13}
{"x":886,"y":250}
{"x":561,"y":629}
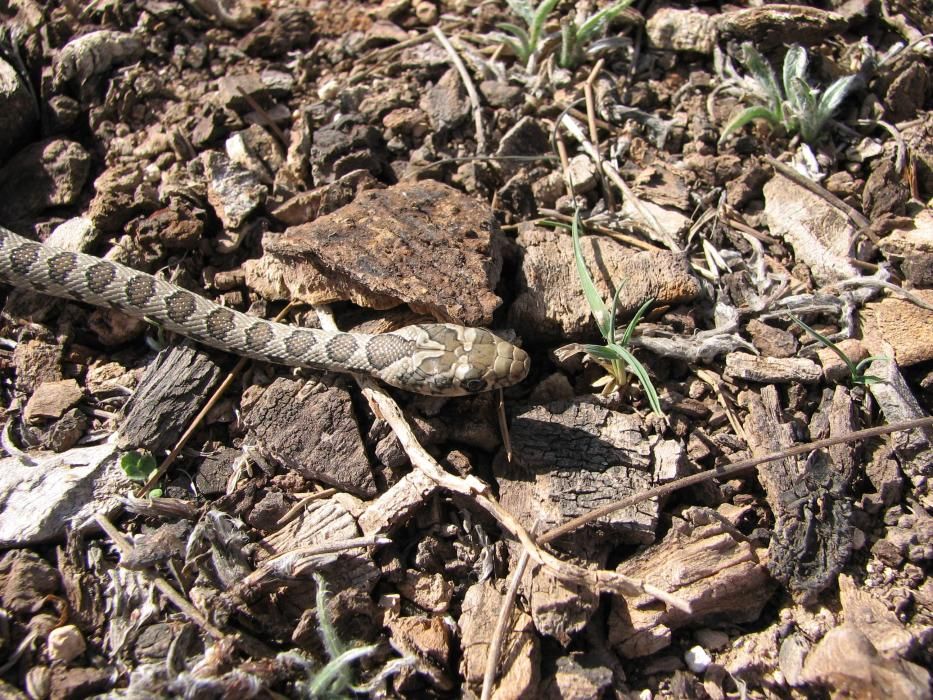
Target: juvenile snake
{"x":439,"y":359}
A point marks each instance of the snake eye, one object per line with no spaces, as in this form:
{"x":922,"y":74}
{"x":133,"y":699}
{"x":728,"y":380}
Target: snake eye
{"x":474,"y":385}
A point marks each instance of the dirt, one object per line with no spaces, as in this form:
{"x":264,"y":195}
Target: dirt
{"x":262,"y":152}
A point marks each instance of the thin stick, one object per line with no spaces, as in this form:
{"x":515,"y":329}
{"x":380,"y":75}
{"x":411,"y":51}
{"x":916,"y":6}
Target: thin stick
{"x":470,"y":88}
{"x":502,"y":627}
{"x":729,"y":470}
{"x":594,"y":134}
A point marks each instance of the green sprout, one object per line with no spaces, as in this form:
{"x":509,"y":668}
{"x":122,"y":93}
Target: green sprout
{"x":138,"y":466}
{"x":524,"y":42}
{"x":793,"y":103}
{"x":573,"y":36}
{"x":857,"y":374}
{"x":335,"y":679}
{"x":614,"y":356}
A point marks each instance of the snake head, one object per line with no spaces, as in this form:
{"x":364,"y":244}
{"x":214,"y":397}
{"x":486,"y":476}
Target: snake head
{"x":449,"y":360}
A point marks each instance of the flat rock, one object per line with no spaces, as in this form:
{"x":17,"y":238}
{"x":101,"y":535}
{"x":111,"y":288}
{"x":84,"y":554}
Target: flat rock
{"x":674,"y":29}
{"x":311,"y":428}
{"x":704,"y":562}
{"x":846,"y":661}
{"x":819,"y":233}
{"x":550,"y":305}
{"x":775,"y":24}
{"x":573,"y":457}
{"x":901,"y":325}
{"x":51,"y":400}
{"x":418,"y":243}
{"x":233,"y":191}
{"x":43,"y":498}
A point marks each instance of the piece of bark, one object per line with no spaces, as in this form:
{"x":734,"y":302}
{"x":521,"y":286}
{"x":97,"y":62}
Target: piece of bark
{"x":572,"y":457}
{"x":771,"y":370}
{"x":169,"y":395}
{"x":549,"y":304}
{"x":429,"y":641}
{"x":321,"y":523}
{"x":810,"y":500}
{"x":914,"y":448}
{"x":559,"y":609}
{"x":311,"y":427}
{"x":517,"y":673}
{"x":418,"y":243}
{"x":702,"y":560}
{"x":396,"y":505}
{"x":41,"y":499}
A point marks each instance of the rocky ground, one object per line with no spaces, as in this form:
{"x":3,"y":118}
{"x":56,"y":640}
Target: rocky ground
{"x":764,"y":530}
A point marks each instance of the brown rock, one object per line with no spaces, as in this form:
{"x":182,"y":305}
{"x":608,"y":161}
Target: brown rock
{"x":774,"y":24}
{"x":311,"y":428}
{"x":847,"y":662}
{"x":420,"y":243}
{"x":51,"y":400}
{"x":45,"y":174}
{"x":771,"y":341}
{"x":902,"y":326}
{"x":550,"y":305}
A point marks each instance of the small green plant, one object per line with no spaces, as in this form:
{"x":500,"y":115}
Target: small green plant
{"x":138,"y":466}
{"x":334,"y":679}
{"x":614,"y":356}
{"x":573,"y":36}
{"x":524,"y":42}
{"x":857,"y":374}
{"x":793,"y":103}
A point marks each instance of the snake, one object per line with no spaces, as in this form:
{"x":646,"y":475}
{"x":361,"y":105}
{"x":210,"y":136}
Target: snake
{"x":437,"y":359}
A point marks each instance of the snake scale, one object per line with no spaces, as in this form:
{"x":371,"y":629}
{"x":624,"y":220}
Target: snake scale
{"x":439,"y":359}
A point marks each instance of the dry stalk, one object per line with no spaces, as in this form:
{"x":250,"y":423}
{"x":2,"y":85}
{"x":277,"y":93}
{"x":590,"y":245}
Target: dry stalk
{"x":470,"y":88}
{"x":502,"y":627}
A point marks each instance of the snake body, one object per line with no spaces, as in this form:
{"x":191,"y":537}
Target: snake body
{"x":439,"y":359}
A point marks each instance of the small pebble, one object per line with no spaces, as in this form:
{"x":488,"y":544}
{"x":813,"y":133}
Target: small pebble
{"x":697,"y":659}
{"x":65,"y":643}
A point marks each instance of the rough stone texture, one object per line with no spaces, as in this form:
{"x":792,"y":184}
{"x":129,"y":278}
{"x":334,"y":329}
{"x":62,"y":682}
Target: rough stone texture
{"x":169,"y":396}
{"x":901,"y":325}
{"x":570,"y":458}
{"x":446,"y":103}
{"x":18,"y":116}
{"x":420,"y":243}
{"x":45,"y":174}
{"x":51,"y":400}
{"x":771,"y":341}
{"x":233,"y":191}
{"x":311,"y":428}
{"x":703,"y":561}
{"x":846,"y":661}
{"x":682,"y":30}
{"x":550,"y":305}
